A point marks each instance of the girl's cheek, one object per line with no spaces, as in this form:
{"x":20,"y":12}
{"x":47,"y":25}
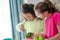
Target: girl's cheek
{"x":42,"y":16}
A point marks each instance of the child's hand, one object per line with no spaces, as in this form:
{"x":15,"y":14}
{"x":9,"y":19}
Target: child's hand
{"x":37,"y":34}
{"x":42,"y":35}
{"x":22,"y":27}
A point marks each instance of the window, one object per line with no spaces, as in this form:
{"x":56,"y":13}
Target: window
{"x":5,"y":21}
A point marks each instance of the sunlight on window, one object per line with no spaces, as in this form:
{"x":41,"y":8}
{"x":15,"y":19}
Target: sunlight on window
{"x":5,"y":21}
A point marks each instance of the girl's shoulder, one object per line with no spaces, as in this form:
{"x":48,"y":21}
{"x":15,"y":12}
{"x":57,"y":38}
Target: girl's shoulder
{"x":56,"y":14}
{"x":21,"y":23}
{"x":57,"y":17}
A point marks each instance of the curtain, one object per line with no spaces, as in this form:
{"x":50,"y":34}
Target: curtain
{"x":15,"y":10}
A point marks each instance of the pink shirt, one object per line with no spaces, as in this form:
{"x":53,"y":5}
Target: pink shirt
{"x":51,"y":24}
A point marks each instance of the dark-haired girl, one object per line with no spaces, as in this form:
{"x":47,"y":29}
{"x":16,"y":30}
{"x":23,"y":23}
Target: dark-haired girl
{"x":32,"y":24}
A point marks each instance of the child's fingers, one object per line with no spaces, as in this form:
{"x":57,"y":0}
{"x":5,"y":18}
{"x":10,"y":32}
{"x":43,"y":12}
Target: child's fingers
{"x":22,"y":27}
{"x":36,"y":35}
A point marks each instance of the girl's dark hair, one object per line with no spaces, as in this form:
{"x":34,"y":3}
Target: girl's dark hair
{"x":26,"y":8}
{"x":45,"y":6}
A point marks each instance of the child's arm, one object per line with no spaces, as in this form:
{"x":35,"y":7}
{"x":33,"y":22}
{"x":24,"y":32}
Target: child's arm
{"x":57,"y":36}
{"x":20,"y":27}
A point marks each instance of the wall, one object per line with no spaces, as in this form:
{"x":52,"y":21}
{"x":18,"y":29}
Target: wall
{"x":33,"y":1}
{"x":56,"y":3}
